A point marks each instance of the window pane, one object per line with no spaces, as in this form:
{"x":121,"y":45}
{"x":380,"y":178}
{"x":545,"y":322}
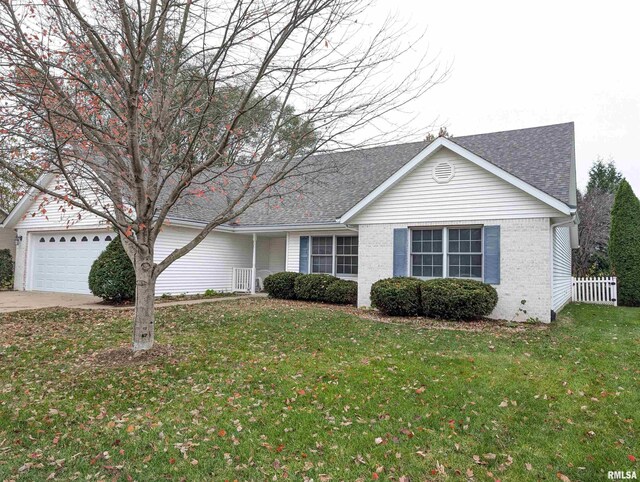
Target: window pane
{"x":321,"y":264}
{"x":465,"y":265}
{"x":465,"y":240}
{"x":347,"y":265}
{"x":322,"y":245}
{"x":426,"y":241}
{"x":426,"y":265}
{"x":347,"y":245}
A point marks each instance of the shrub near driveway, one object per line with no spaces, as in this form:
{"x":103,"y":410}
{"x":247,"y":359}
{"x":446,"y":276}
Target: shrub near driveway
{"x":112,"y":276}
{"x":457,"y":299}
{"x":397,"y":296}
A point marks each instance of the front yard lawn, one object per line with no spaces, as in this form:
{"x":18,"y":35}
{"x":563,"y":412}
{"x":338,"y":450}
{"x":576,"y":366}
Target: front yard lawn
{"x":261,"y":389}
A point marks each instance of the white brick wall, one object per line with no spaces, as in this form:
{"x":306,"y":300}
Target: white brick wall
{"x":525,"y":264}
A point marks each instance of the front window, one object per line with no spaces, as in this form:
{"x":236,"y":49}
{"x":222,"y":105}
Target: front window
{"x":322,"y":254}
{"x":347,"y":255}
{"x":460,"y":247}
{"x":426,"y":253}
{"x":334,"y":255}
{"x":465,"y":253}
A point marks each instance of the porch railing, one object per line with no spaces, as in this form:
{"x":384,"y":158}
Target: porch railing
{"x":242,"y":279}
{"x":600,"y":291}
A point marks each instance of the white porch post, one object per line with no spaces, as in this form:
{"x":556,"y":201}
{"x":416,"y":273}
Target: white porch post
{"x":253,"y":265}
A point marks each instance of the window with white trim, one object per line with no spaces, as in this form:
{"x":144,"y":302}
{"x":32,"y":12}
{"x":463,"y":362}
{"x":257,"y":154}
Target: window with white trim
{"x":346,"y":255}
{"x":446,"y":252}
{"x":322,"y":254}
{"x":465,"y":253}
{"x":337,"y":255}
{"x":426,"y":253}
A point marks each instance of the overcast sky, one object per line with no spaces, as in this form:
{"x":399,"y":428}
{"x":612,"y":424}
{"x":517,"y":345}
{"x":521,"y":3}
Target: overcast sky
{"x":546,"y":62}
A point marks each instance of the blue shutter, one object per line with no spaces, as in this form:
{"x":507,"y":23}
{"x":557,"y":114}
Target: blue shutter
{"x":492,"y":255}
{"x":303,"y":266}
{"x":400,"y":251}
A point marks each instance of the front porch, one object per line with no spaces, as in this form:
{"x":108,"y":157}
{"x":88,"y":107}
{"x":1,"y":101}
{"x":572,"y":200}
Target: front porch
{"x":267,"y":257}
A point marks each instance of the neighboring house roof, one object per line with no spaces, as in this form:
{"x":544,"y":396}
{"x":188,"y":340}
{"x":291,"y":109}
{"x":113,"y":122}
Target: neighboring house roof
{"x":542,"y":157}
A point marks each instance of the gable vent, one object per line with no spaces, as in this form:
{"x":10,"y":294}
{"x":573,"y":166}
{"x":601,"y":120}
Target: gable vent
{"x":443,"y":172}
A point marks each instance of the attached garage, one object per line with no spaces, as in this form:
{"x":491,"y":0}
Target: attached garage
{"x":61,"y":261}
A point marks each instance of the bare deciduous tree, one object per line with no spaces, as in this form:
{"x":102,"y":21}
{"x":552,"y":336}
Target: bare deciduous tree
{"x":594,"y":209}
{"x":138,"y":106}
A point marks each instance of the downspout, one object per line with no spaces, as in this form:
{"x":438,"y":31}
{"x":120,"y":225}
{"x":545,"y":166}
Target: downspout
{"x":571,"y":220}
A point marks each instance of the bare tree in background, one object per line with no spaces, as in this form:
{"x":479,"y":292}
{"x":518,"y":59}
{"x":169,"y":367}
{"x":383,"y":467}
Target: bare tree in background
{"x":138,"y":106}
{"x":594,"y":209}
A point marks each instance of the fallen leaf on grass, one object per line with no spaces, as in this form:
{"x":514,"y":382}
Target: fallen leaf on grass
{"x":563,"y":477}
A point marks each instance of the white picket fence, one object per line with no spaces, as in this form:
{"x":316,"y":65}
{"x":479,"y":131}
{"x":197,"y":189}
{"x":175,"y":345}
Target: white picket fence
{"x":601,"y":291}
{"x":242,"y":279}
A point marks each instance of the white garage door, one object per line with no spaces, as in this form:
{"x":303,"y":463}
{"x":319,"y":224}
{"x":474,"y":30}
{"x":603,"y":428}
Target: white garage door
{"x":61,"y":261}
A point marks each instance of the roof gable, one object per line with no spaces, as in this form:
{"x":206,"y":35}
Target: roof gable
{"x":434,"y":147}
{"x":447,"y":187}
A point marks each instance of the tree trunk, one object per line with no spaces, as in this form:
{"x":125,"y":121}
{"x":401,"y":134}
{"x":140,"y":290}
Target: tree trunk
{"x":143,"y":326}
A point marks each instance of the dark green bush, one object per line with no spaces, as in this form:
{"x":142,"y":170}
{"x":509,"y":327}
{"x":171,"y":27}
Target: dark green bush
{"x":6,"y":269}
{"x":112,"y":276}
{"x":457,"y":299}
{"x":281,"y":285}
{"x":397,"y":296}
{"x":313,"y":287}
{"x":624,"y":244}
{"x":342,"y":292}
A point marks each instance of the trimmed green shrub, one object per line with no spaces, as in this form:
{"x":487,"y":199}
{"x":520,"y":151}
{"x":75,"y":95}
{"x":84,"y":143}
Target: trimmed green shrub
{"x":112,"y":276}
{"x":342,"y":292}
{"x":313,"y":287}
{"x":281,"y":285}
{"x":397,"y":296}
{"x":457,"y":299}
{"x":6,"y":269}
{"x":624,"y":244}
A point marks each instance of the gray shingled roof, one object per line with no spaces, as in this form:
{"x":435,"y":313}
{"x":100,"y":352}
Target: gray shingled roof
{"x":541,"y":156}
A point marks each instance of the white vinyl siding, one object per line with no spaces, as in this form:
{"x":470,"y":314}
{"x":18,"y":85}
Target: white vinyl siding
{"x":270,"y":254}
{"x":210,"y":264}
{"x":47,"y":212}
{"x":473,"y":193}
{"x":561,"y":285}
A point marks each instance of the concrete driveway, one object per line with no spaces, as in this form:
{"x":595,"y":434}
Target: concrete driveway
{"x":33,"y":300}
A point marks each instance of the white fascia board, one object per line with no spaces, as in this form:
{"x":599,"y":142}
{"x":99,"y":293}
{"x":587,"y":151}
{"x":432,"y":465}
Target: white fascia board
{"x":439,"y":143}
{"x":22,"y":205}
{"x":267,"y":228}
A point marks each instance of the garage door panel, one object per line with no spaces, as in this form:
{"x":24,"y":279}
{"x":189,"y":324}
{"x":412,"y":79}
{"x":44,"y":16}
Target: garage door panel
{"x":62,"y":261}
